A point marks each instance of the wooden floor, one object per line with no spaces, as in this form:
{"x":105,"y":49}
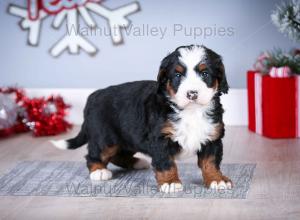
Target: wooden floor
{"x":274,"y":192}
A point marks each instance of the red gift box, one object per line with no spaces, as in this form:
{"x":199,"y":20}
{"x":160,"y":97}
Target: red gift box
{"x":274,"y":105}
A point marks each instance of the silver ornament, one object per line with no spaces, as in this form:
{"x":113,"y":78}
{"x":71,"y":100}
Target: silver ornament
{"x":8,"y":111}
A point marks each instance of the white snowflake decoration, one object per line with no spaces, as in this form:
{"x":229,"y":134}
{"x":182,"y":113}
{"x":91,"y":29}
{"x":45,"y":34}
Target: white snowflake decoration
{"x":73,"y":41}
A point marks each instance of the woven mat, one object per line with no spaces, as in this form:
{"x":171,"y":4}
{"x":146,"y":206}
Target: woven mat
{"x":71,"y":179}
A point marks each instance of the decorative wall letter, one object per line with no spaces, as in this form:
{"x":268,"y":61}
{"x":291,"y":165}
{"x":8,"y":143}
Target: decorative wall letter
{"x":70,"y":11}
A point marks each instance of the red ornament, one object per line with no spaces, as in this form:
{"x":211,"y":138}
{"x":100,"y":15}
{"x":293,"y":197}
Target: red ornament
{"x":47,"y":116}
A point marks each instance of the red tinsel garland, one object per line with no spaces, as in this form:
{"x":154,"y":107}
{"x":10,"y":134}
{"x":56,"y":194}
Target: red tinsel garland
{"x":43,"y":116}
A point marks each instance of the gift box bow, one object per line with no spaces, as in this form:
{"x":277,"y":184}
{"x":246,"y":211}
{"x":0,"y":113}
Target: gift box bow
{"x":280,"y":72}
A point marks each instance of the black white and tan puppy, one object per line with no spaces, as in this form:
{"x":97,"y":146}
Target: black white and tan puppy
{"x":177,"y":116}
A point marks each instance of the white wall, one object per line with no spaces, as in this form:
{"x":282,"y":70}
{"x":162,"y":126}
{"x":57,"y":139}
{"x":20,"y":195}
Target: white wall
{"x":139,"y":57}
{"x":235,"y":103}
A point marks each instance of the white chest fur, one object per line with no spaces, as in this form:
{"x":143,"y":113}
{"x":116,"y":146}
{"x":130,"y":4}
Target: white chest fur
{"x":193,"y":128}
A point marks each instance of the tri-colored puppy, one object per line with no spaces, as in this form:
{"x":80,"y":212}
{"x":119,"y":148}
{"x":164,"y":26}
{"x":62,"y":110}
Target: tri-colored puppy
{"x":177,"y":116}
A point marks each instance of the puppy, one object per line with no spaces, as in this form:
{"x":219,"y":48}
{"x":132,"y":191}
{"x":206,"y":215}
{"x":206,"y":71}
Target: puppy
{"x":177,"y":116}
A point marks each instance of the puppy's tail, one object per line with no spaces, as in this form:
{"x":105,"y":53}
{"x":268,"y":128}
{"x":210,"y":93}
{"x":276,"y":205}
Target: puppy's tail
{"x":72,"y":143}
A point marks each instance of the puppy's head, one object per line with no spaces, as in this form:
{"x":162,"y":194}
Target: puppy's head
{"x":192,"y":74}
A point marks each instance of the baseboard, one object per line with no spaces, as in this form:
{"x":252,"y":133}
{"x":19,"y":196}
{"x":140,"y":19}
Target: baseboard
{"x":235,"y":103}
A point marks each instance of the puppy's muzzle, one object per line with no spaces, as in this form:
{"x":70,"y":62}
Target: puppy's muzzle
{"x":192,"y":94}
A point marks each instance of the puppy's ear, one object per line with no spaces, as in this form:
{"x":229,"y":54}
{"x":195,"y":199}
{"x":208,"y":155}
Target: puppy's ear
{"x":223,"y":85}
{"x":219,"y":70}
{"x":162,"y":80}
{"x":162,"y":75}
{"x":163,"y":70}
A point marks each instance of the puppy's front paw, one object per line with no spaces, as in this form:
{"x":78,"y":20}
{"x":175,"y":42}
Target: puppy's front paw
{"x":220,"y":184}
{"x":171,"y":187}
{"x":101,"y":174}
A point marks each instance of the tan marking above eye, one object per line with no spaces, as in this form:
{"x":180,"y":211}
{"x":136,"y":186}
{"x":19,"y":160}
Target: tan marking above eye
{"x":179,"y":69}
{"x":202,"y":67}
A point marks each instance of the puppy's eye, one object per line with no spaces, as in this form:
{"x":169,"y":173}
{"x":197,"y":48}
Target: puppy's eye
{"x":178,"y":75}
{"x":204,"y":74}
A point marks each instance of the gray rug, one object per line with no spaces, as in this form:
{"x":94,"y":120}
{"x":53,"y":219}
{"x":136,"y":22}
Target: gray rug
{"x":57,"y":178}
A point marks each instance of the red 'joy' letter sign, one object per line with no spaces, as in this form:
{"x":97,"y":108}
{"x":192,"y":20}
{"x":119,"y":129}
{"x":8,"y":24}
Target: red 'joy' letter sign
{"x":53,"y":6}
{"x":33,"y":9}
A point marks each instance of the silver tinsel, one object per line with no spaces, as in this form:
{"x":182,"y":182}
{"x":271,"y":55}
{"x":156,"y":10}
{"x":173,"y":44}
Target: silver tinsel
{"x":8,"y":111}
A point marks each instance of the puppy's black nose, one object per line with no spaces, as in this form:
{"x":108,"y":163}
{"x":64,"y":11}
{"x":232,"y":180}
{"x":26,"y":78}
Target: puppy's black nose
{"x":192,"y":94}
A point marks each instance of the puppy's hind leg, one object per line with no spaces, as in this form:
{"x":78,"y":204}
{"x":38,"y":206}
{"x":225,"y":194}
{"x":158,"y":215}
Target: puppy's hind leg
{"x":126,"y":159}
{"x":97,"y":160}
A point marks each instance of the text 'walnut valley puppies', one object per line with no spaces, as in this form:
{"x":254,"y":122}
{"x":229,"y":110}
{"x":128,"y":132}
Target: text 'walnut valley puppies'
{"x":177,"y":116}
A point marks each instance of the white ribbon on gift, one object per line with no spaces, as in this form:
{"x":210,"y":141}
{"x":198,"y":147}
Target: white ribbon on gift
{"x":298,"y":105}
{"x":258,"y":102}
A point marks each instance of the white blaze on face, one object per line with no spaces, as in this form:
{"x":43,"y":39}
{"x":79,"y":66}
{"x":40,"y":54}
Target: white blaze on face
{"x":192,"y":81}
